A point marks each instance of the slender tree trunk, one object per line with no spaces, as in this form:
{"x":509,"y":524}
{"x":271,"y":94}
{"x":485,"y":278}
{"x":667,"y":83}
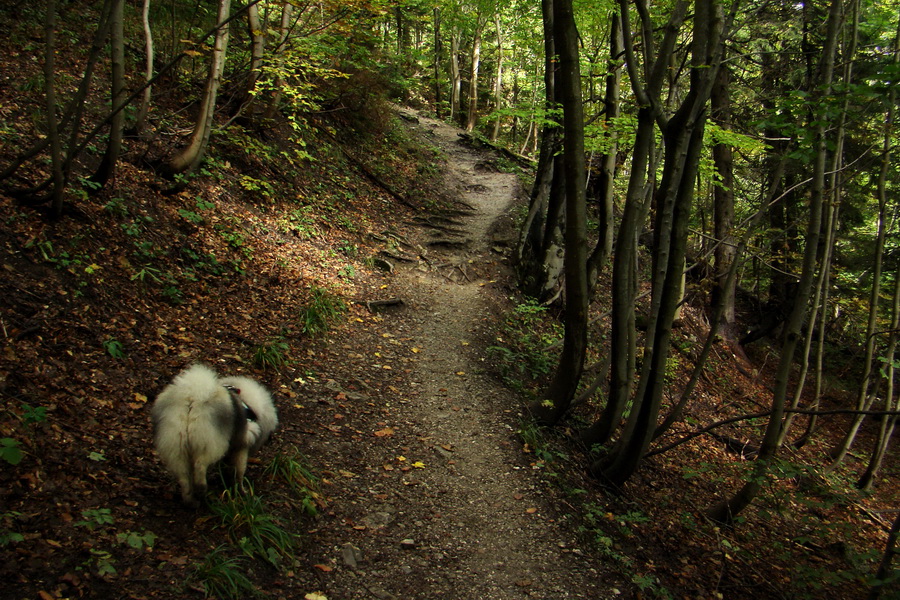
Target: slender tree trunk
{"x":56,"y":157}
{"x":568,"y":373}
{"x":144,"y":108}
{"x":726,"y":511}
{"x":455,"y":77}
{"x":287,"y":11}
{"x":606,"y":177}
{"x":884,"y":568}
{"x":886,"y":430}
{"x":438,"y":51}
{"x":498,"y":79}
{"x":472,"y":115}
{"x":540,"y":252}
{"x":647,"y":79}
{"x":723,"y":205}
{"x":192,"y":155}
{"x":119,"y":95}
{"x":866,"y":394}
{"x":257,"y":52}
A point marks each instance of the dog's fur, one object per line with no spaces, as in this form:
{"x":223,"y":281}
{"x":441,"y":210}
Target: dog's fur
{"x":200,"y":419}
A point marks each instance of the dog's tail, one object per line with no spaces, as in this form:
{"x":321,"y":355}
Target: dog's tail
{"x":193,"y":418}
{"x":261,"y":414}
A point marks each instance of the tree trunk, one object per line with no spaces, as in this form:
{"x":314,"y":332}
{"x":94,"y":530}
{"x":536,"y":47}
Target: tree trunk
{"x":498,"y":79}
{"x":438,"y":50}
{"x":192,"y":155}
{"x":559,"y":396}
{"x":884,"y":568}
{"x":287,"y":10}
{"x":472,"y":114}
{"x":726,"y":511}
{"x":723,"y":207}
{"x":119,"y":95}
{"x":257,"y":52}
{"x":637,"y":204}
{"x":606,"y":177}
{"x":56,"y":158}
{"x":455,"y":77}
{"x":540,"y":252}
{"x":886,"y":430}
{"x":144,"y":108}
{"x":866,"y":394}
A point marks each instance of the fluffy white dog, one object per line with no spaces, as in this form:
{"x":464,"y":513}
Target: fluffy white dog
{"x":200,"y":419}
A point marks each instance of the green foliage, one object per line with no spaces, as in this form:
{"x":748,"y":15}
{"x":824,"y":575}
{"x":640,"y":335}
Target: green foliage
{"x":291,"y":468}
{"x":101,"y":561}
{"x":7,"y":536}
{"x":137,"y":541}
{"x":521,"y":354}
{"x":223,"y":576}
{"x":271,"y":353}
{"x":114,"y":348}
{"x":116,"y":207}
{"x":95,"y":517}
{"x":257,"y":186}
{"x":252,"y":529}
{"x":10,"y":451}
{"x":323,"y":310}
{"x":32,"y":415}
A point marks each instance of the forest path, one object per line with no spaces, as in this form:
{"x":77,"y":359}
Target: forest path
{"x":467,"y":518}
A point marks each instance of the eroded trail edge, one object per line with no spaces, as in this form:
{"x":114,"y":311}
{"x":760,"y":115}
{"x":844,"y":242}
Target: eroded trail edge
{"x":467,"y":517}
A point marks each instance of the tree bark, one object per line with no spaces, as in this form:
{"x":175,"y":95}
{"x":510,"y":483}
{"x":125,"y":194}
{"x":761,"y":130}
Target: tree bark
{"x":56,"y":158}
{"x":475,"y":62}
{"x":498,"y":79}
{"x":144,"y":109}
{"x":192,"y":155}
{"x":455,"y":77}
{"x":562,"y":389}
{"x":723,"y":202}
{"x":438,"y":51}
{"x":117,"y":79}
{"x":606,"y":177}
{"x":866,"y":394}
{"x":727,"y":510}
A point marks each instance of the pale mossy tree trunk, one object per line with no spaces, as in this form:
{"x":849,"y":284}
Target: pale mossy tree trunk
{"x":474,"y":65}
{"x":455,"y":77}
{"x":498,"y":77}
{"x":191,"y":156}
{"x":284,"y":29}
{"x":144,"y":108}
{"x":438,"y":56}
{"x":257,"y":54}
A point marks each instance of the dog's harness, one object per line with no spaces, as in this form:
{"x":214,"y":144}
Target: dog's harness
{"x":248,"y":412}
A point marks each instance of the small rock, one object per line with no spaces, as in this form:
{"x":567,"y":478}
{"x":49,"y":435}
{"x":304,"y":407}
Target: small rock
{"x":351,"y":555}
{"x":408,"y":544}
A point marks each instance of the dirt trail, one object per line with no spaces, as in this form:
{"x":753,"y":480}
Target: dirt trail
{"x":474,"y":522}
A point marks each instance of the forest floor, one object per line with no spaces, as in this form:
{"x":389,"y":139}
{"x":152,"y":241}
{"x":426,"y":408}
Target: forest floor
{"x":424,"y":478}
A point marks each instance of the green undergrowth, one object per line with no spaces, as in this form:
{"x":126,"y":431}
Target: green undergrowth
{"x":260,"y":527}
